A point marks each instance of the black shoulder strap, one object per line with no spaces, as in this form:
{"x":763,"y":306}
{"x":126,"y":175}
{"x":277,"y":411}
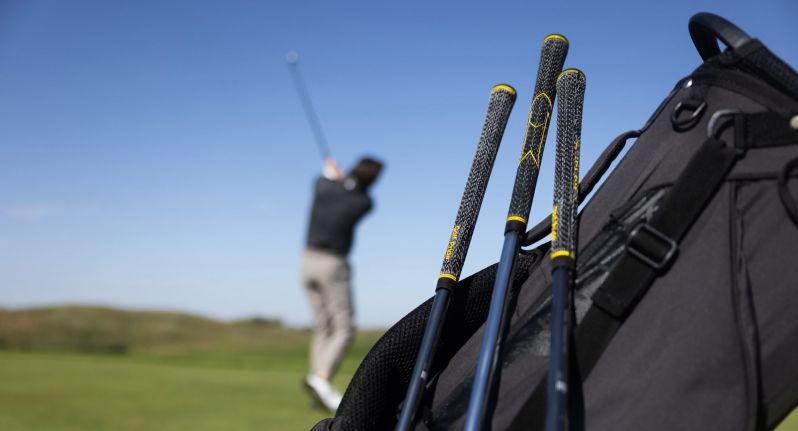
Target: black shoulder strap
{"x":650,"y":249}
{"x":652,"y":246}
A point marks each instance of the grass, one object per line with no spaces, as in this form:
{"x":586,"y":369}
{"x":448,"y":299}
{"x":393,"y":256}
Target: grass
{"x":213,"y":376}
{"x":71,"y":392}
{"x":88,"y":368}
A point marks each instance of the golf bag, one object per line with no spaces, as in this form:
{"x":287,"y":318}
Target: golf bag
{"x":687,"y":275}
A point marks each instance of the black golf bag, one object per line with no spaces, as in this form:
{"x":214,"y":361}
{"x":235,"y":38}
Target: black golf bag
{"x":686,"y":295}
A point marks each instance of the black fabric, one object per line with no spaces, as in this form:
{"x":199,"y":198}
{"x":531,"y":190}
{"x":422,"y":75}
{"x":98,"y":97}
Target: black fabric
{"x":337,"y":207}
{"x":628,"y":282}
{"x":631,"y":278}
{"x":754,"y":59}
{"x":787,"y":200}
{"x":685,"y":201}
{"x":761,"y":62}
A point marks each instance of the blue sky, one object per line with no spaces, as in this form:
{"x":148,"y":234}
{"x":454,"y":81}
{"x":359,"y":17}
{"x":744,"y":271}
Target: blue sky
{"x":154,"y":154}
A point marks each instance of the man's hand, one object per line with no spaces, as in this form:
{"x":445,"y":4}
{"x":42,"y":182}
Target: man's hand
{"x":331,"y":170}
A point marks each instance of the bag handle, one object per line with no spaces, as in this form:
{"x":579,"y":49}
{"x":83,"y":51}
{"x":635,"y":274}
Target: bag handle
{"x":592,"y":178}
{"x":705,"y":30}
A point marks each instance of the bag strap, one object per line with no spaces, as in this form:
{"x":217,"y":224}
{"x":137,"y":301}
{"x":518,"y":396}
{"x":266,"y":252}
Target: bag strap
{"x":766,"y":129}
{"x":705,"y":30}
{"x":653,"y":250}
{"x":653,"y":245}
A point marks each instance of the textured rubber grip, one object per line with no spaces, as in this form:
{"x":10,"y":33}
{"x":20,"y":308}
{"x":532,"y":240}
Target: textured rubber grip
{"x":552,"y":57}
{"x":502,"y":98}
{"x":570,"y":100}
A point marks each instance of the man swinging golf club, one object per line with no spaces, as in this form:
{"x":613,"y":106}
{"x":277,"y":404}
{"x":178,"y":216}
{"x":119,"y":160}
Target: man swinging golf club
{"x":339,"y":203}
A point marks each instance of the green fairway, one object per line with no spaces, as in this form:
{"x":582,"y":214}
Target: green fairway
{"x":42,"y":391}
{"x":155,"y":371}
{"x":215,"y":376}
{"x":59,"y":392}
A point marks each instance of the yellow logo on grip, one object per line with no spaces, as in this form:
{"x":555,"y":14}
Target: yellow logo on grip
{"x":534,"y":152}
{"x":452,"y":242}
{"x":554,"y":223}
{"x":576,"y":165}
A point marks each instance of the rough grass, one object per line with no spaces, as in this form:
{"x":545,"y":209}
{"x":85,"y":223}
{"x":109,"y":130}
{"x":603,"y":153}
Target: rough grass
{"x":107,"y":330}
{"x":169,"y":371}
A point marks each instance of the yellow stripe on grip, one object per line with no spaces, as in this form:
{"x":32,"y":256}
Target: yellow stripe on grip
{"x":560,"y":253}
{"x":516,"y":218}
{"x":504,"y":87}
{"x":567,"y":71}
{"x":447,"y":275}
{"x":556,"y":36}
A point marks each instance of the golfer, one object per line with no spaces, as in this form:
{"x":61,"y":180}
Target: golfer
{"x":339,"y":203}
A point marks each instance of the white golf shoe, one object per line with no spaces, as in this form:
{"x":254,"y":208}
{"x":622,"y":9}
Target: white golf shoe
{"x":323,"y":392}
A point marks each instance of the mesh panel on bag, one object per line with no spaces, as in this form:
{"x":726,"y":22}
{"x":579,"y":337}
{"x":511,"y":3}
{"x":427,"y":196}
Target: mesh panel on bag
{"x":377,"y":389}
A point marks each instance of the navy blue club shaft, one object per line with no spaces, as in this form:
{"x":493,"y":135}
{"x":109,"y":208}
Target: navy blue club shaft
{"x":502,"y":99}
{"x":552,"y":57}
{"x":570,"y":92}
{"x":489,"y":349}
{"x":557,"y":382}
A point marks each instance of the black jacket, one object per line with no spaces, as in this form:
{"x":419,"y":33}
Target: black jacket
{"x":337,"y":207}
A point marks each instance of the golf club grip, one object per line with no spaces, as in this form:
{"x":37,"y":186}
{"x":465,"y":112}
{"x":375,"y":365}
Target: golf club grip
{"x":552,"y":57}
{"x":502,"y":98}
{"x":570,"y":101}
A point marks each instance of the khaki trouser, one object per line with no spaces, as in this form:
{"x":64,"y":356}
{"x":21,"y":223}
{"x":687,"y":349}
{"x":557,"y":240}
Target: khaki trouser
{"x":327,"y":282}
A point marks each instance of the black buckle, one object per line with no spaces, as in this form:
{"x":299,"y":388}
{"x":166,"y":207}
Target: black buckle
{"x":639,"y":245}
